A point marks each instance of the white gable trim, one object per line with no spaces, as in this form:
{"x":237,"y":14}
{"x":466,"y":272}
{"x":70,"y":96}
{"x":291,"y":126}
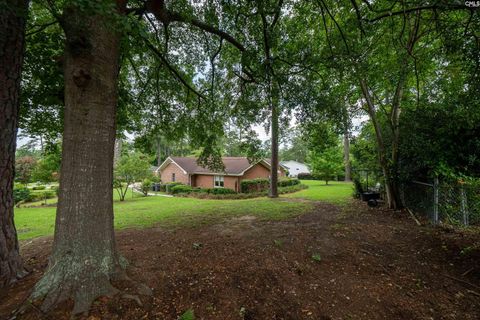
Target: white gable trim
{"x":167,"y":162}
{"x":265,"y":163}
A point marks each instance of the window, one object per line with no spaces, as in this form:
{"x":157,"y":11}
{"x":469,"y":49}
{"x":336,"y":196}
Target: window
{"x":173,"y":177}
{"x":218,"y":181}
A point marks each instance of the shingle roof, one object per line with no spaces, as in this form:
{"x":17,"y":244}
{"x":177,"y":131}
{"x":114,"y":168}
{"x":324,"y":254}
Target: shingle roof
{"x":233,"y":165}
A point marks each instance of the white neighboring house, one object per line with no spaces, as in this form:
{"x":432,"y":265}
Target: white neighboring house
{"x":295,"y":167}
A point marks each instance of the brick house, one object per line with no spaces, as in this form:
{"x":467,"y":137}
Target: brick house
{"x":187,"y":171}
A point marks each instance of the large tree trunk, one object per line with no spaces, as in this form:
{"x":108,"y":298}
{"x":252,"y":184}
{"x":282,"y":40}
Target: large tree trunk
{"x":12,"y":43}
{"x":84,"y":259}
{"x":273,"y":193}
{"x":346,"y":156}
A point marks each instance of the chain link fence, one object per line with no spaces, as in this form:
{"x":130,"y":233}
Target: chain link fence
{"x":451,"y":202}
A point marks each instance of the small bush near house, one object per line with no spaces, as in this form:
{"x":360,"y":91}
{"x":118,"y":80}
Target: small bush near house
{"x":254,"y":185}
{"x":207,"y":191}
{"x":219,"y":191}
{"x":39,"y":188}
{"x":259,"y":185}
{"x":181,"y":188}
{"x":288,"y":182}
{"x":167,"y":186}
{"x":230,"y":195}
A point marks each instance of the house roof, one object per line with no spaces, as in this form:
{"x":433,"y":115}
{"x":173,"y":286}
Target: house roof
{"x":295,"y":167}
{"x":235,"y":166}
{"x":280,"y":164}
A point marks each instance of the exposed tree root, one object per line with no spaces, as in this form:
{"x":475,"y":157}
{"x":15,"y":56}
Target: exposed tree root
{"x":11,"y":271}
{"x":81,"y":280}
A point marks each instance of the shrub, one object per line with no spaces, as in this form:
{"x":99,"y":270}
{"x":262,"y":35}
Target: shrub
{"x":180,"y":188}
{"x":146,"y":186}
{"x":254,"y":185}
{"x":221,"y":191}
{"x":167,"y":186}
{"x":39,"y":188}
{"x":308,"y":176}
{"x":21,"y":194}
{"x":231,"y":195}
{"x":288,"y":182}
{"x":291,"y":189}
{"x":39,"y":196}
{"x":260,"y":184}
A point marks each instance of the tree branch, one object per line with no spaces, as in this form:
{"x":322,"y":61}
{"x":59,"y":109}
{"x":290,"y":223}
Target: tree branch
{"x":40,"y":28}
{"x":172,"y":69}
{"x":158,"y":8}
{"x":420,"y":8}
{"x":359,"y":16}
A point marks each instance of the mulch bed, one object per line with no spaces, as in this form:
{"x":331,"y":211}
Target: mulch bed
{"x":334,"y":263}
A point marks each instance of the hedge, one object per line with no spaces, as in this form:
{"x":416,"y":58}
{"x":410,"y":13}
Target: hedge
{"x":166,"y":187}
{"x":238,"y":196}
{"x":260,"y":184}
{"x":41,"y":196}
{"x":179,"y":188}
{"x":308,"y":176}
{"x":292,"y":188}
{"x":216,"y":191}
{"x":286,"y":182}
{"x":25,"y":195}
{"x":254,"y":185}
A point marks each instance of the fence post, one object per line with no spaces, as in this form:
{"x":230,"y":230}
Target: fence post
{"x":435,"y":200}
{"x":463,"y":204}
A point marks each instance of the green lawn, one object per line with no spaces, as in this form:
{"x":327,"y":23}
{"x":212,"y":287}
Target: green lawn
{"x":335,"y":192}
{"x":138,"y":211}
{"x":167,"y":212}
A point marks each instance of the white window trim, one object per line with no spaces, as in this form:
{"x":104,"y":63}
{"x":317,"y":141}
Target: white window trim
{"x":222,"y":180}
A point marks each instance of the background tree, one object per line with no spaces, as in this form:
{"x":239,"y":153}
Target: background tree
{"x":295,"y":146}
{"x":47,"y":168}
{"x":327,"y":164}
{"x":131,"y":168}
{"x":13,"y":14}
{"x":24,"y":168}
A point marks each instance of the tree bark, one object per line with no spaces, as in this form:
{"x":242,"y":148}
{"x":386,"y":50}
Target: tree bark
{"x":84,"y":257}
{"x":346,"y":156}
{"x":12,"y":45}
{"x":273,"y":193}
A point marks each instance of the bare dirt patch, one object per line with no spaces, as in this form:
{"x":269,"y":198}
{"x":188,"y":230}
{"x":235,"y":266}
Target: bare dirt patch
{"x":334,"y":263}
